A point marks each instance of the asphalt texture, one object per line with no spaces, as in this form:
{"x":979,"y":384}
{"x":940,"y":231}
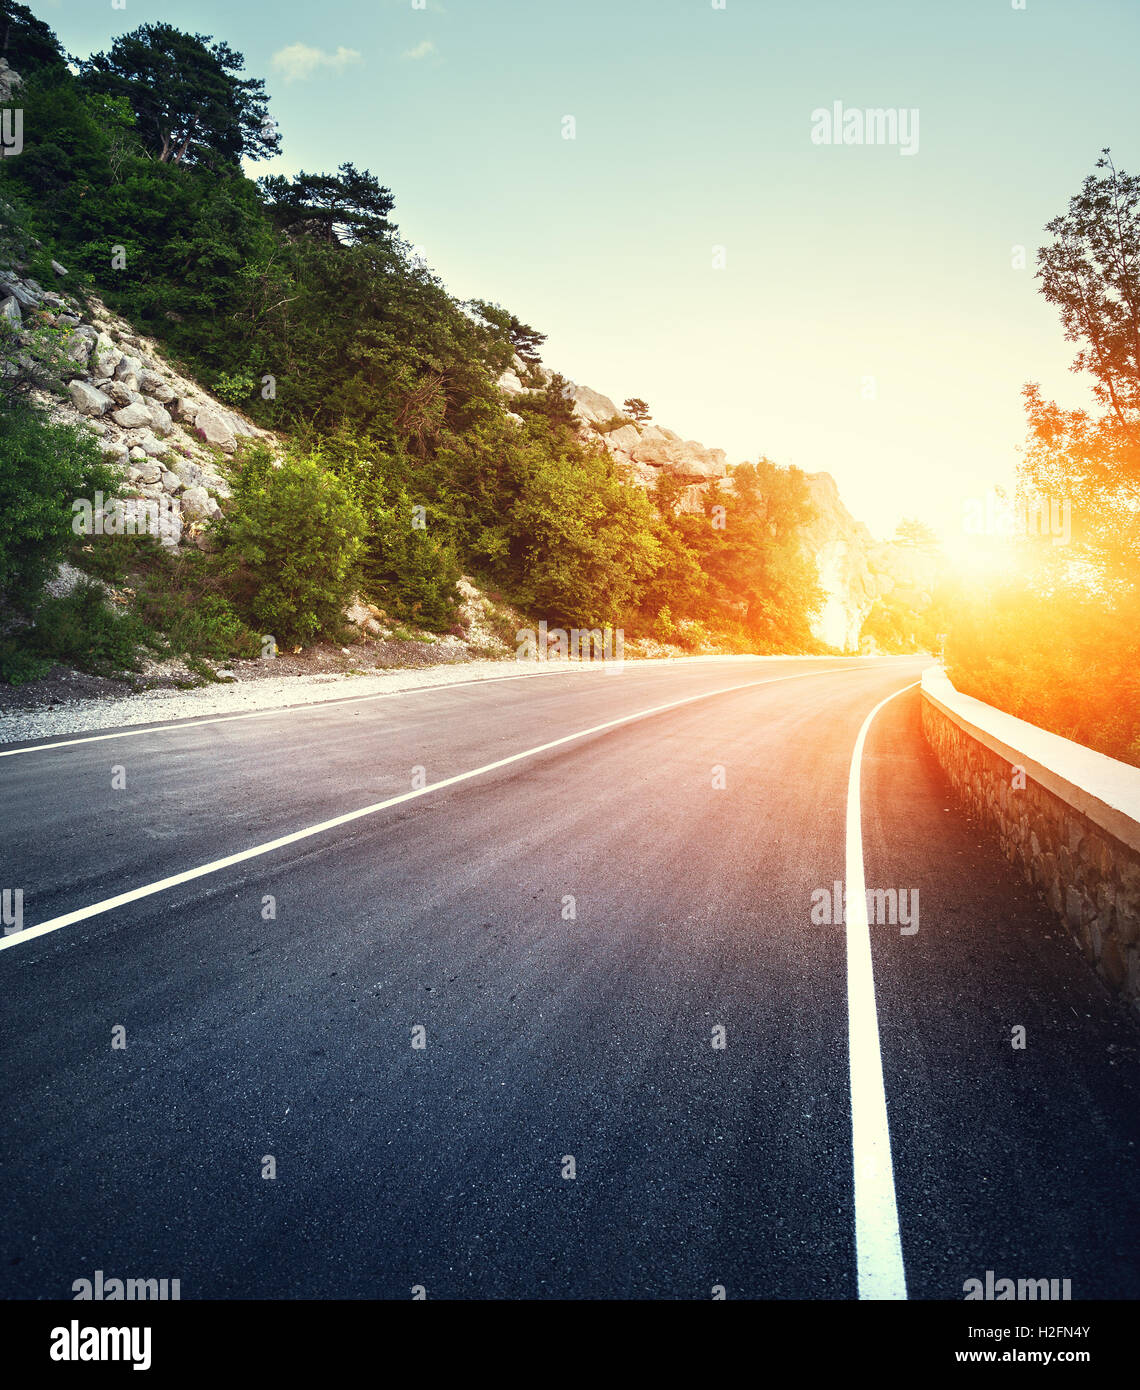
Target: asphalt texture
{"x":571,"y":932}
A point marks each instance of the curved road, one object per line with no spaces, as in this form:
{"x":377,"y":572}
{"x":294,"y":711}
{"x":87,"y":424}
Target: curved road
{"x":569,"y":933}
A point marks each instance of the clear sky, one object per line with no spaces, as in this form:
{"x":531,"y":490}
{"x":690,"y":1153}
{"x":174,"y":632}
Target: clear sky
{"x":694,"y":131}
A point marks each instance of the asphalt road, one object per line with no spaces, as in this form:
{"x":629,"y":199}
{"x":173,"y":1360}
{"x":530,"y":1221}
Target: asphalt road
{"x":555,"y":1029}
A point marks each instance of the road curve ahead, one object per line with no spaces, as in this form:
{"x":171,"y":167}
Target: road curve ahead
{"x":572,"y":1024}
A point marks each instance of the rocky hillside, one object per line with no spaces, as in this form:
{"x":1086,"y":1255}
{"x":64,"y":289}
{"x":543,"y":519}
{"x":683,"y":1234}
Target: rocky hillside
{"x":162,"y":429}
{"x":854,"y":568}
{"x":165,"y":431}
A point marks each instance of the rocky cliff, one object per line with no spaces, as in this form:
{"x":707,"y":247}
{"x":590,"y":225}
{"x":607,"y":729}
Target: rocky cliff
{"x":854,"y":569}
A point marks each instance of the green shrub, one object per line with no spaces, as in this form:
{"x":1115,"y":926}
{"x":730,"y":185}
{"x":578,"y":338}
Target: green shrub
{"x":83,"y":629}
{"x":178,"y":594}
{"x":80,"y":629}
{"x":19,"y":663}
{"x":234,"y":389}
{"x":43,"y":469}
{"x":291,"y":545}
{"x":410,"y":571}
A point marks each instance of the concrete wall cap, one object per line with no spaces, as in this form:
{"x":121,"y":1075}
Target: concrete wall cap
{"x":1104,"y":789}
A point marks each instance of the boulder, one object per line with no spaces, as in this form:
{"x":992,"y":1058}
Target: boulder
{"x":365,"y":616}
{"x":77,"y":348}
{"x":10,"y":311}
{"x":160,"y":419}
{"x":148,"y":472}
{"x":59,"y":270}
{"x":151,"y":446}
{"x":86,"y":399}
{"x":22,"y":295}
{"x":120,"y":394}
{"x":152,"y":384}
{"x":215,"y":428}
{"x":196,"y":504}
{"x":190,"y":474}
{"x":132,"y":416}
{"x":626,"y":438}
{"x":129,"y":367}
{"x":692,"y":499}
{"x":686,"y":460}
{"x":107,"y":357}
{"x":591,"y":405}
{"x":10,"y":80}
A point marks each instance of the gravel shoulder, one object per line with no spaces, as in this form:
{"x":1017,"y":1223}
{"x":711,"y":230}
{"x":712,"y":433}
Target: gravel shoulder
{"x":111,"y":709}
{"x":89,"y":704}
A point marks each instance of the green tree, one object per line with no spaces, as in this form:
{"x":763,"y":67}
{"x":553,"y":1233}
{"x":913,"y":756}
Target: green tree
{"x":758,"y":562}
{"x":26,"y":42}
{"x":1058,"y":644}
{"x":506,"y":336}
{"x":553,"y":403}
{"x":189,"y":101}
{"x":291,"y":545}
{"x":637,"y":410}
{"x":347,"y":207}
{"x":585,"y":538}
{"x":1091,"y":272}
{"x":526,"y":341}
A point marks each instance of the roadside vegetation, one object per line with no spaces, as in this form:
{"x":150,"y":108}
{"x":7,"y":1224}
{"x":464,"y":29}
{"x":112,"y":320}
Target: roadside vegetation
{"x":1056,"y":638}
{"x":404,"y":467}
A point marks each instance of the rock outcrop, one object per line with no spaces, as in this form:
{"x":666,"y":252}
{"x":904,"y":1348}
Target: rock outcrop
{"x":854,"y":569}
{"x":164,"y":434}
{"x":10,"y":82}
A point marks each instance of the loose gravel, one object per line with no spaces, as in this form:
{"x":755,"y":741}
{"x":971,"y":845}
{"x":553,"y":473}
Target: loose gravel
{"x":162,"y":706}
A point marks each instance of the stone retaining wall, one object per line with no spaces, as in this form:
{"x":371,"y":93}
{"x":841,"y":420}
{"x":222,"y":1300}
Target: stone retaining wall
{"x":1068,"y":818}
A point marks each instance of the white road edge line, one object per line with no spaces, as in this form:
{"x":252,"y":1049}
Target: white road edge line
{"x":109,"y":904}
{"x":878,"y":1242}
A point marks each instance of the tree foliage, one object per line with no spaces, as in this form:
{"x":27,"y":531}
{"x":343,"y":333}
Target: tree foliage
{"x":347,"y":207}
{"x":1059,"y":643}
{"x":189,"y":101}
{"x":26,"y":42}
{"x":44,"y":468}
{"x":385,"y":382}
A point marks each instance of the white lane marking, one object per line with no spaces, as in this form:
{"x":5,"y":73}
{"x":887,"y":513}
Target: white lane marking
{"x":160,"y":885}
{"x":878,"y":1243}
{"x":162,"y":728}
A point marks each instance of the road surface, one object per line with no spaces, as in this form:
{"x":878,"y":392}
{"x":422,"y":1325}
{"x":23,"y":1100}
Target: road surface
{"x":568,"y":933}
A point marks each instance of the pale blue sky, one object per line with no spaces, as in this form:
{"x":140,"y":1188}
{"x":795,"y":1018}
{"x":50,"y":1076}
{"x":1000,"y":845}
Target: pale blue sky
{"x":693,"y":131}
